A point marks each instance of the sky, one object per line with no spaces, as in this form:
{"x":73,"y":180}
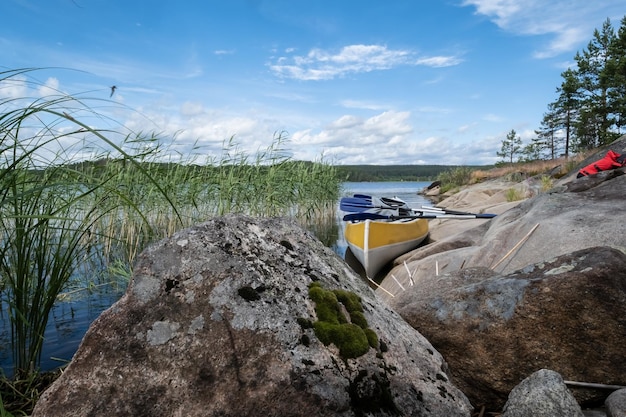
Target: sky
{"x":345,"y":81}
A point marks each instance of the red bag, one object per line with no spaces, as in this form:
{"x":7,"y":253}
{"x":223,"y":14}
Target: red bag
{"x":611,"y":160}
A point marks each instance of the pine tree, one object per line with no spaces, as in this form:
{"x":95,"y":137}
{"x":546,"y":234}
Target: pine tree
{"x":593,"y":78}
{"x":616,"y":73}
{"x":564,"y":111}
{"x":511,"y":146}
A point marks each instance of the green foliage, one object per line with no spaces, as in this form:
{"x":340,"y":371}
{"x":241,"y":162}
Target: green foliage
{"x":511,"y":147}
{"x":381,"y":173}
{"x":353,"y":338}
{"x":454,"y":178}
{"x":591,"y":106}
{"x":359,"y":319}
{"x":546,"y":183}
{"x":74,"y":197}
{"x":513,"y":194}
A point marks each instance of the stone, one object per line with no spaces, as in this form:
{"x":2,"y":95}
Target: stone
{"x":218,"y":321}
{"x":567,"y":314}
{"x":542,"y":394}
{"x":539,"y":286}
{"x":616,"y":403}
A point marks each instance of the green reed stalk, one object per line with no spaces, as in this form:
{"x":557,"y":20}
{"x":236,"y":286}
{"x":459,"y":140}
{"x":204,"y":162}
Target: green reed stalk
{"x":49,"y":207}
{"x":57,"y":215}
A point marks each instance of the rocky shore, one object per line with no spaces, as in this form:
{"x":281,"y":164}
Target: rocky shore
{"x":521,"y":315}
{"x":542,"y":285}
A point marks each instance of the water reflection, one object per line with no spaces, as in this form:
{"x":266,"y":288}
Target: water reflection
{"x":72,"y":316}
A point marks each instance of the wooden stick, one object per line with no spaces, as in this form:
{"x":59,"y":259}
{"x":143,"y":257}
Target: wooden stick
{"x":378,"y":286}
{"x":482,"y":411}
{"x":408,"y":272}
{"x":397,"y":282}
{"x":593,"y":385}
{"x":524,"y":239}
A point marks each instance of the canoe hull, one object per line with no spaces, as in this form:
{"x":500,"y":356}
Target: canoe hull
{"x":375,"y":243}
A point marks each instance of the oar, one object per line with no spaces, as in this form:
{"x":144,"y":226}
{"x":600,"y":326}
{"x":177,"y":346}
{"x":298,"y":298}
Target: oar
{"x":376,"y":216}
{"x":361,"y":202}
{"x":443,"y":210}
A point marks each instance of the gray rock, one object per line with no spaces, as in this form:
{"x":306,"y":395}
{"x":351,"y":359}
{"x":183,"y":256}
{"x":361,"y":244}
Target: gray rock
{"x":542,"y":285}
{"x":542,"y":394}
{"x":616,"y":403}
{"x":217,"y":322}
{"x":566,"y":314}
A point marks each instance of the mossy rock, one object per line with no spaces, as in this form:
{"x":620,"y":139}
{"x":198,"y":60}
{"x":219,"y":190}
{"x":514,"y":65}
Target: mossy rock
{"x":353,"y":338}
{"x":349,"y":338}
{"x":350,"y":300}
{"x":326,"y":305}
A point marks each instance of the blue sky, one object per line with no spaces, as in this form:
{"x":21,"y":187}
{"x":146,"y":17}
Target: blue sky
{"x":358,"y":81}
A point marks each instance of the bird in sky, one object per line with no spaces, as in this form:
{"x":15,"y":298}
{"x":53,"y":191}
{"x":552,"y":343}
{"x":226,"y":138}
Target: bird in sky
{"x":113,"y":88}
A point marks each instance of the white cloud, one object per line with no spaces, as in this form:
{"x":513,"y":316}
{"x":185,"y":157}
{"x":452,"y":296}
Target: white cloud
{"x":358,"y":104}
{"x":224,"y":52}
{"x":439,"y":61}
{"x":570,"y":22}
{"x":49,"y":88}
{"x":349,"y":138}
{"x":321,"y":64}
{"x":13,"y":87}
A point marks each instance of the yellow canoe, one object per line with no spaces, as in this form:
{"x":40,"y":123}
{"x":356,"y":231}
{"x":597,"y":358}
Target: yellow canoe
{"x":374,"y":243}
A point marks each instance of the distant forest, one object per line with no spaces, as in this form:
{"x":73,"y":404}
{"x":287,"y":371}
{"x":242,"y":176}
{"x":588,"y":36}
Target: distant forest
{"x":364,"y":173}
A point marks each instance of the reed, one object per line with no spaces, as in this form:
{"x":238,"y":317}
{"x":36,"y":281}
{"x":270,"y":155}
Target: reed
{"x":77,"y":198}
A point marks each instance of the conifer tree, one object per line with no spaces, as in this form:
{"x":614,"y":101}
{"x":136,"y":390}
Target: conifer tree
{"x":594,"y":125}
{"x":616,"y":73}
{"x":511,"y":146}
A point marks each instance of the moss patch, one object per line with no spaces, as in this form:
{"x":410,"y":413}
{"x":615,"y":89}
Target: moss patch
{"x":340,"y":321}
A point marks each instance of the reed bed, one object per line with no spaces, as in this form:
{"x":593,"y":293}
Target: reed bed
{"x":77,"y":198}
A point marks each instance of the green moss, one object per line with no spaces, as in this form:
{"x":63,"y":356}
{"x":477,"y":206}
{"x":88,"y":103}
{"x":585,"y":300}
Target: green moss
{"x":326,"y":305}
{"x":353,"y":338}
{"x":372,"y":338}
{"x":350,"y":300}
{"x":359,"y":319}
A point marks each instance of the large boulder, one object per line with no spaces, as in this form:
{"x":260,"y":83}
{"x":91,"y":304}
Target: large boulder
{"x":567,"y":314}
{"x":542,"y":285}
{"x":548,"y":225}
{"x":219,"y":320}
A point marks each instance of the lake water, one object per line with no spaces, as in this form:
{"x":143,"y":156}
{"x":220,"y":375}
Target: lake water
{"x":70,"y":319}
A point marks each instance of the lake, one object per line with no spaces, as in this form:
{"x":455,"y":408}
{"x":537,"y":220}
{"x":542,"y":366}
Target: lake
{"x":71,"y":318}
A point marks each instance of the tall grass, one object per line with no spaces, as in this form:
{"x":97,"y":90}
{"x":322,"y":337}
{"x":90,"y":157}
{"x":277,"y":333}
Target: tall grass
{"x":48,"y":209}
{"x":75,"y":197}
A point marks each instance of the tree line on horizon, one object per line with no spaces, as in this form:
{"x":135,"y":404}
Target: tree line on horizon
{"x":590,"y":109}
{"x":381,"y":173}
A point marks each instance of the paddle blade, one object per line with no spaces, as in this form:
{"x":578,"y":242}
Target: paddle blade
{"x":354,"y":204}
{"x":364,"y":216}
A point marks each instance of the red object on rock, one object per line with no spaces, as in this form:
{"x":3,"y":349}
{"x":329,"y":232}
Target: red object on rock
{"x":611,"y":160}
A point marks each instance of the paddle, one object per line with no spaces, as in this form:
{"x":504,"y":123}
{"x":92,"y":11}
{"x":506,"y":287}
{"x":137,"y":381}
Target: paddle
{"x":376,"y":216}
{"x":361,"y":202}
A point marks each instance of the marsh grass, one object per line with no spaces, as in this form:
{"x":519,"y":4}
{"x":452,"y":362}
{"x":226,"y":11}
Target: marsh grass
{"x":562,"y":166}
{"x":76,"y":198}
